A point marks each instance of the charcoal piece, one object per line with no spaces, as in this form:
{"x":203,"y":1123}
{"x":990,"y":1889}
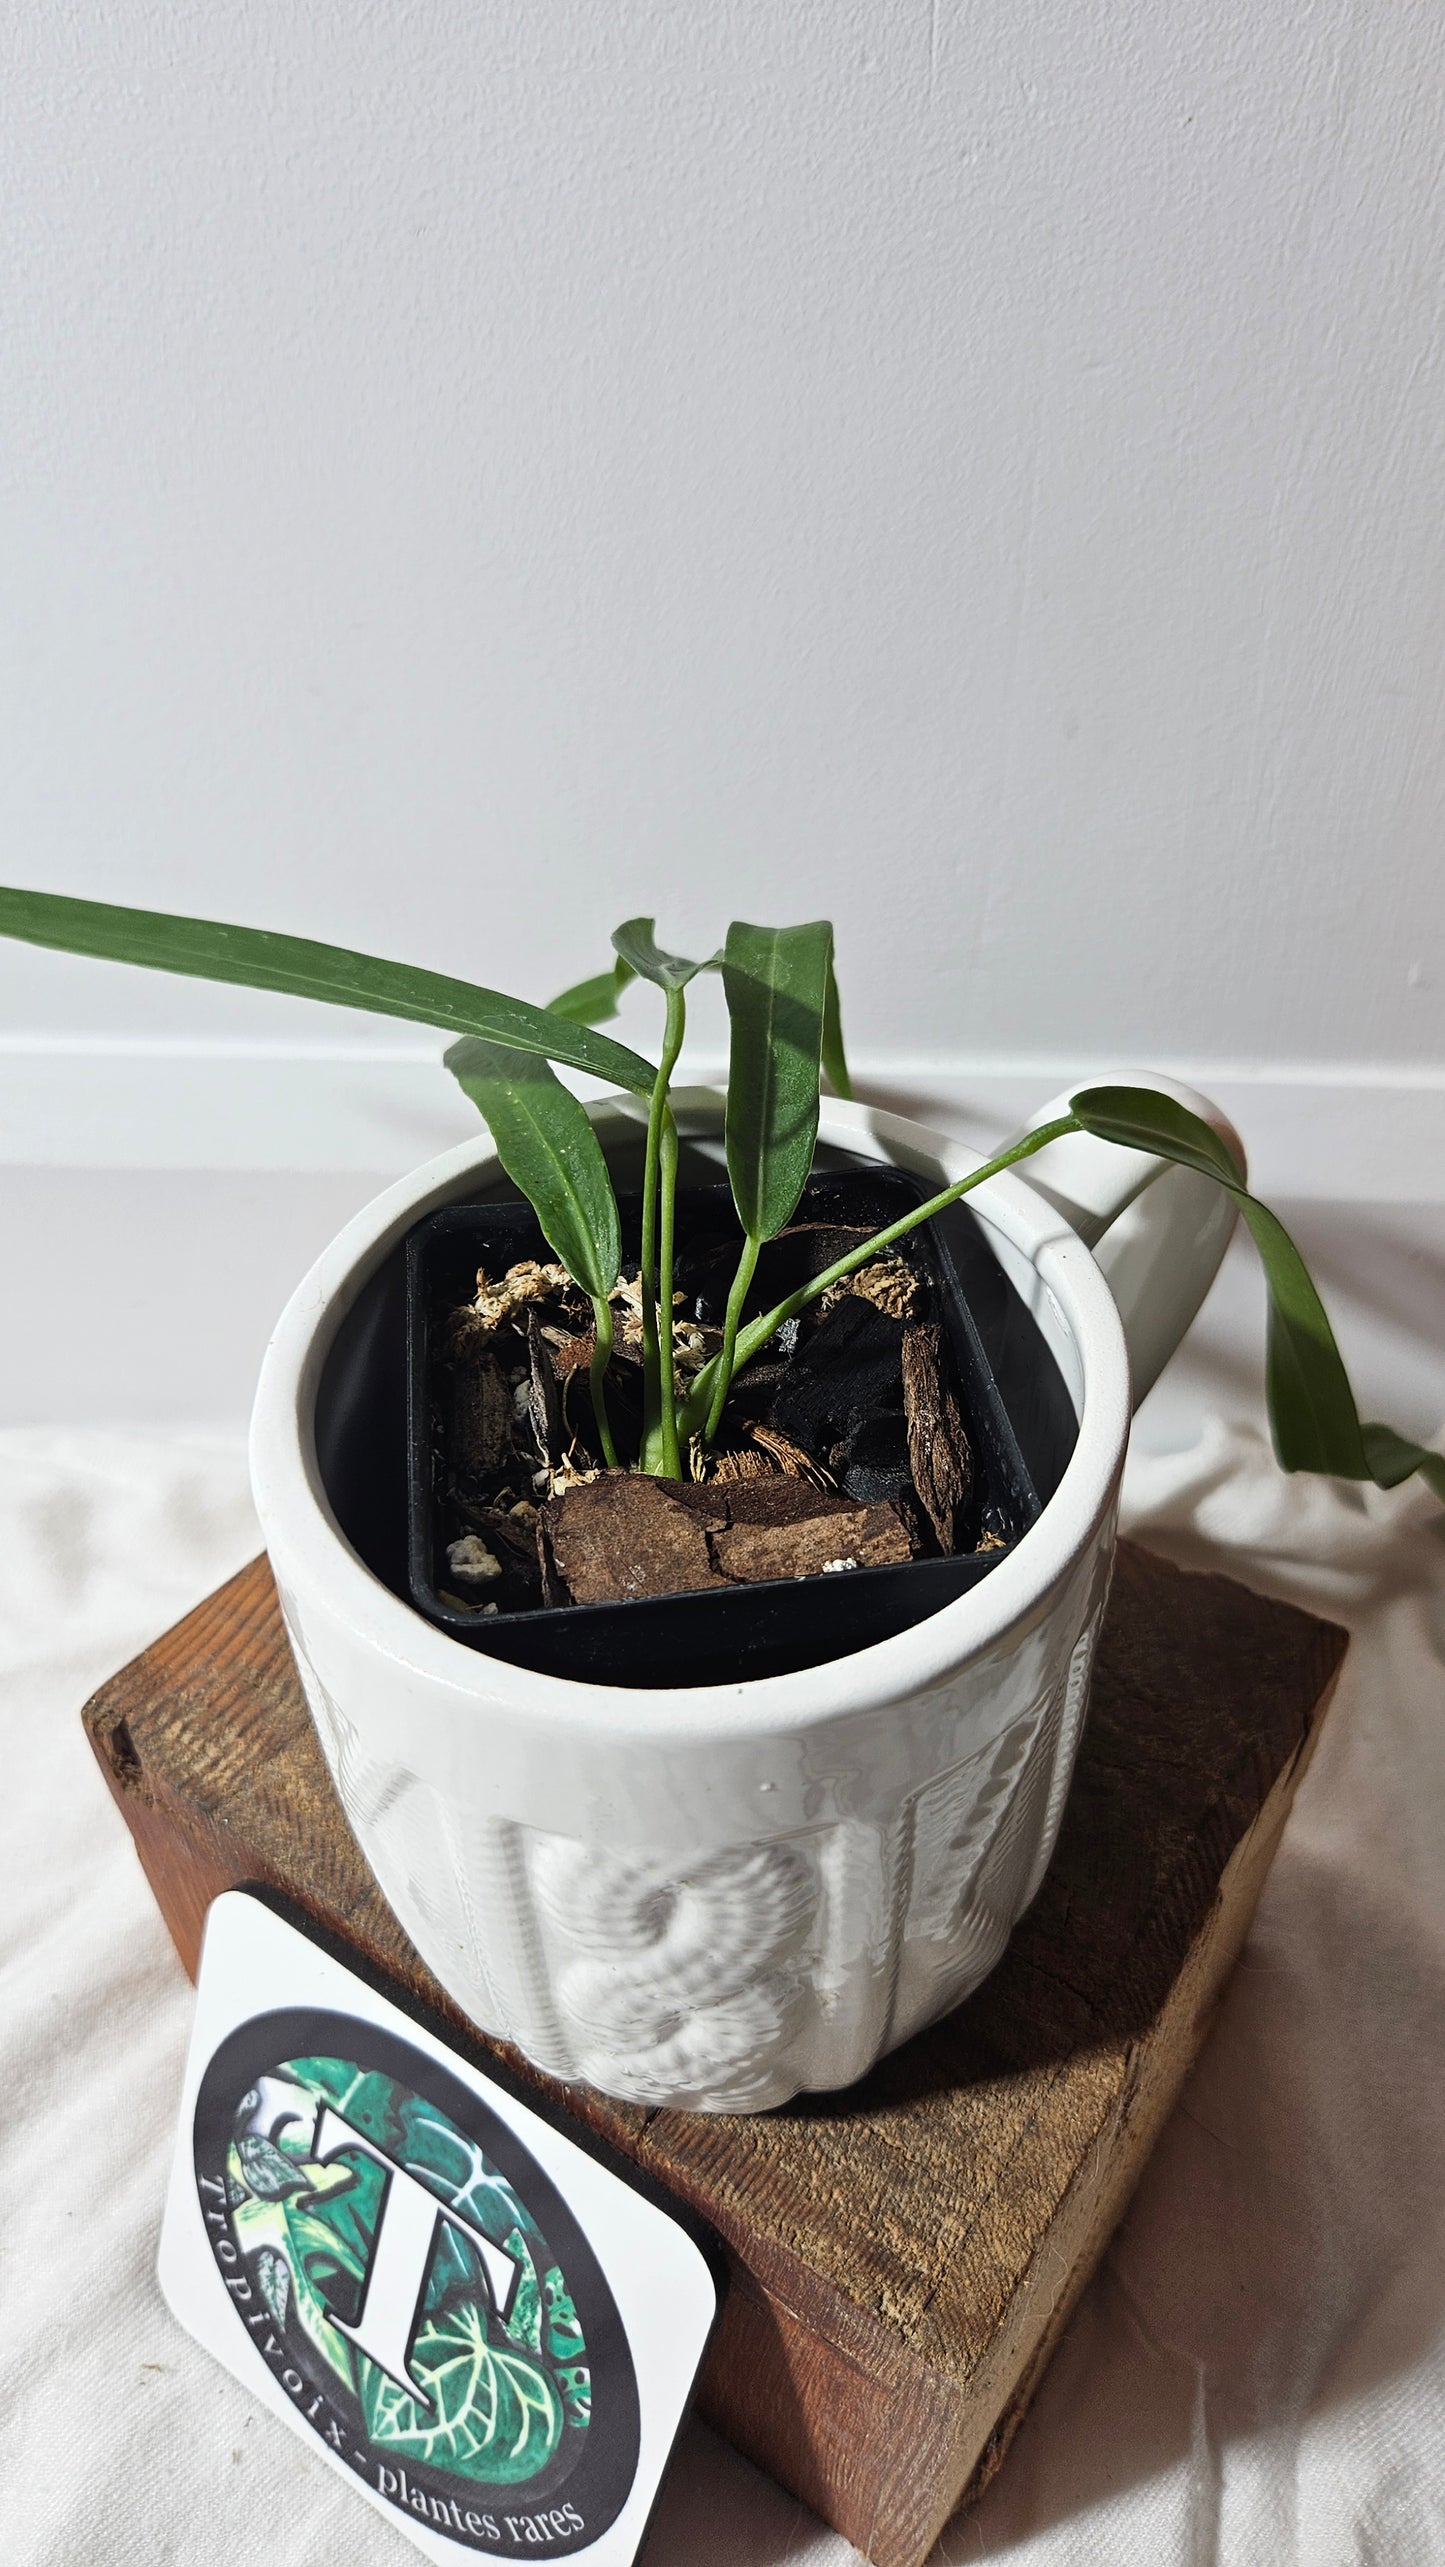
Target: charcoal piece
{"x":807,"y":1249}
{"x":848,"y":1371}
{"x":753,"y":1389}
{"x":938,"y":1448}
{"x":873,"y":1464}
{"x":835,"y":1540}
{"x":479,"y":1417}
{"x":702,"y":1272}
{"x":705,"y":1268}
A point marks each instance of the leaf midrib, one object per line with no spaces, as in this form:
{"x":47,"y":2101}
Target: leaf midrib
{"x":569,"y":1185}
{"x":765,"y":1116}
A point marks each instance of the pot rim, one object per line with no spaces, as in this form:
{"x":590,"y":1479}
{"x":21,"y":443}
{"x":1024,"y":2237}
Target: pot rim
{"x":312,"y":1554}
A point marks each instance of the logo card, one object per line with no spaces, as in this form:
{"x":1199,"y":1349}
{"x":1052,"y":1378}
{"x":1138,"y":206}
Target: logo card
{"x":489,"y":2327}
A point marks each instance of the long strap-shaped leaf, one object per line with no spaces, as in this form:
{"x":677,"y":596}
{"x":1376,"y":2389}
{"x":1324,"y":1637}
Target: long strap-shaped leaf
{"x":207,"y":950}
{"x":548,"y":1147}
{"x":776,"y":980}
{"x":639,"y":951}
{"x":639,"y":955}
{"x":1313,"y":1417}
{"x":835,"y":1057}
{"x":592,"y":1002}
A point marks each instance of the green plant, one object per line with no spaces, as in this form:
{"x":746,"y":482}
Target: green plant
{"x":786,"y":1032}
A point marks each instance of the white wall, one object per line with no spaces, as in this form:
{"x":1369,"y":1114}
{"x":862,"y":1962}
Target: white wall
{"x":473,"y":472}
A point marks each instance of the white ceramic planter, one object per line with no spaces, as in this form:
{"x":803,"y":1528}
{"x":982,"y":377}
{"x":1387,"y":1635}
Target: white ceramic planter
{"x":718,"y":1896}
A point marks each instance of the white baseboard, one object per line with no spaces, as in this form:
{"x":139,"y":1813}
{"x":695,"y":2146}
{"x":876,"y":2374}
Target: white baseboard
{"x":1358,"y":1132}
{"x":258,"y":1107}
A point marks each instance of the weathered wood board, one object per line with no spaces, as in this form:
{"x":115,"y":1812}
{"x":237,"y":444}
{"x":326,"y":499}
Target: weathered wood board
{"x":905,"y":2254}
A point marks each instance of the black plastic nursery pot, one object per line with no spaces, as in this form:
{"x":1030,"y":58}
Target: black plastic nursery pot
{"x":378,"y":1450}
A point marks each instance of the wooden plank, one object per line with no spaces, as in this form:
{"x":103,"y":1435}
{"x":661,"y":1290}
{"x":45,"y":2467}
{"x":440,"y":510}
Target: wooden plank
{"x":905,"y":2254}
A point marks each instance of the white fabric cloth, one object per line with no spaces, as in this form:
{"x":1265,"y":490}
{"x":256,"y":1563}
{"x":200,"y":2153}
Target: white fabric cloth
{"x":1257,"y":2373}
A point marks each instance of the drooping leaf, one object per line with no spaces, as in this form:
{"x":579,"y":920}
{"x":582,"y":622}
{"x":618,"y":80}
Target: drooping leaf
{"x":548,"y":1148}
{"x":592,"y":1002}
{"x":835,"y":1058}
{"x":776,"y":980}
{"x":1313,"y":1417}
{"x":204,"y":949}
{"x":1139,"y":1118}
{"x":1393,"y":1457}
{"x":1312,"y":1412}
{"x":638,"y":948}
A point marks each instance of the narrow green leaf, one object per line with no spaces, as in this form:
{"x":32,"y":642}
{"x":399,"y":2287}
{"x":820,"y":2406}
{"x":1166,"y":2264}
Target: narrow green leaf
{"x":776,"y":980}
{"x":835,"y":1059}
{"x":592,"y":1002}
{"x":1393,"y":1457}
{"x":548,"y":1147}
{"x":1312,"y":1412}
{"x":638,"y":948}
{"x":1139,"y":1118}
{"x":206,"y":950}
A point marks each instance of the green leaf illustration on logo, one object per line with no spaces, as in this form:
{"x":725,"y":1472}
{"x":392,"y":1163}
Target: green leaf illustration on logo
{"x":566,"y":2346}
{"x":496,"y":2386}
{"x":495,"y":2415}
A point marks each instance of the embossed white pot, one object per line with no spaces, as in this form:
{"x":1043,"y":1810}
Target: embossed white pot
{"x":717,"y":1896}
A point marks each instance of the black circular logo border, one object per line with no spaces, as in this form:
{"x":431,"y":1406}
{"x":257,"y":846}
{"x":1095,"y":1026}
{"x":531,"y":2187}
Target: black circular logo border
{"x":597,"y":2485}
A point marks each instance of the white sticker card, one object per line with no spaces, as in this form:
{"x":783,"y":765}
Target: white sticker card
{"x":484,"y":2323}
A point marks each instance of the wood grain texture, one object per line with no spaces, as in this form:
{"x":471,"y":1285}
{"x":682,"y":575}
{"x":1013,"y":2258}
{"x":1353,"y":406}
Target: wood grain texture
{"x":904,"y":2255}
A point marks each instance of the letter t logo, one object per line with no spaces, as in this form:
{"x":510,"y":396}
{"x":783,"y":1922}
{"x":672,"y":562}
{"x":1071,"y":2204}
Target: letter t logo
{"x":402,"y":2248}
